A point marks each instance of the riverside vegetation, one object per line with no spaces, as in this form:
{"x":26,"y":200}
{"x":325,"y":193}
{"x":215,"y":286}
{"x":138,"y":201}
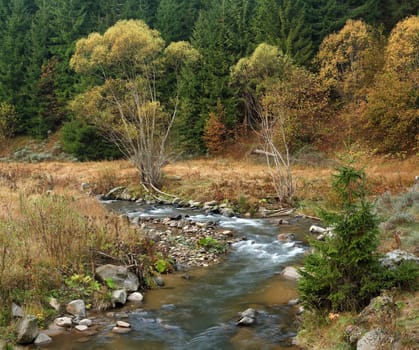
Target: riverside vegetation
{"x":51,"y":230}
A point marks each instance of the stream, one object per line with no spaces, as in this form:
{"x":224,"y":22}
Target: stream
{"x":201,"y":312}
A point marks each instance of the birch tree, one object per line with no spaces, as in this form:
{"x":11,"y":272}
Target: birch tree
{"x":129,"y":58}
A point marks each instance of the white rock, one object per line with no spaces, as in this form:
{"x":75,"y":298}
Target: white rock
{"x":77,"y":308}
{"x":120,"y":330}
{"x":291,"y":273}
{"x":54,"y":304}
{"x":123,"y":324}
{"x":317,"y":229}
{"x":63,"y":322}
{"x":135,"y":297}
{"x":86,"y":322}
{"x":17,"y":311}
{"x":246,"y":321}
{"x":81,"y":328}
{"x":248,"y":313}
{"x":119,"y":296}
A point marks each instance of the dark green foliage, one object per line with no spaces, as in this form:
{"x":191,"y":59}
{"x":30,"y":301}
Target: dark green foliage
{"x":14,"y":53}
{"x":175,"y":19}
{"x":404,"y":276}
{"x":84,"y":142}
{"x":343,"y":272}
{"x":295,"y":33}
{"x":265,"y":22}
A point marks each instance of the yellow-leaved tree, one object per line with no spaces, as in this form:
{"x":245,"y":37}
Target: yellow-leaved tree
{"x":350,"y":58}
{"x":392,"y":111}
{"x":129,"y":57}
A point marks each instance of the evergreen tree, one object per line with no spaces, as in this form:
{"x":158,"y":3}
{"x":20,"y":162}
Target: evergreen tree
{"x":14,"y":53}
{"x":212,"y":38}
{"x":175,"y":19}
{"x":141,"y":9}
{"x":392,"y":11}
{"x":295,"y":33}
{"x":343,"y":273}
{"x":327,"y":16}
{"x":265,"y":22}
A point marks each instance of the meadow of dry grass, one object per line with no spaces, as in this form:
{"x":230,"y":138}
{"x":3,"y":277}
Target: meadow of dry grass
{"x":200,"y":179}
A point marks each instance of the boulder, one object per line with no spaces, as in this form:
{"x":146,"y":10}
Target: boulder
{"x":135,"y":297}
{"x":375,"y":339}
{"x":396,"y":257}
{"x":352,"y":334}
{"x":81,"y":328}
{"x":246,"y":321}
{"x":42,"y":339}
{"x":317,"y":229}
{"x":291,"y":273}
{"x":27,"y":330}
{"x":17,"y":311}
{"x":159,"y":281}
{"x":379,"y":311}
{"x":227,"y":212}
{"x":119,"y":296}
{"x":54,"y":304}
{"x":77,"y":308}
{"x":121,"y":277}
{"x":86,"y":322}
{"x":63,"y":322}
{"x":247,"y":317}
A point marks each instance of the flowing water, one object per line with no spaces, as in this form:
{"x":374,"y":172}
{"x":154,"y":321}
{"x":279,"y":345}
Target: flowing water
{"x":200,"y":313}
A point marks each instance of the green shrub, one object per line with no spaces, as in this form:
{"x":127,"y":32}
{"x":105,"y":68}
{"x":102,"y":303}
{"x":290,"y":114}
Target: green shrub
{"x":84,"y":142}
{"x":212,"y":244}
{"x":404,"y":276}
{"x":343,"y":272}
{"x":83,"y":285}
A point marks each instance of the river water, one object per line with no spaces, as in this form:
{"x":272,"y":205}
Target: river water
{"x":201,"y":312}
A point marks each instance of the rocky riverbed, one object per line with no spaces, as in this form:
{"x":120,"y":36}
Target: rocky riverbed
{"x":189,"y":243}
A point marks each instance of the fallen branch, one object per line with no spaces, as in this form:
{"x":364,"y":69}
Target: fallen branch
{"x":265,"y":153}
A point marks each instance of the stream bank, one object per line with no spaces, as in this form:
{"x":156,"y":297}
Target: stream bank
{"x":200,"y":312}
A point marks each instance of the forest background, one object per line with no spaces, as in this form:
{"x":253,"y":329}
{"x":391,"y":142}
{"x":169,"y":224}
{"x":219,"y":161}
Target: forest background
{"x":341,"y":71}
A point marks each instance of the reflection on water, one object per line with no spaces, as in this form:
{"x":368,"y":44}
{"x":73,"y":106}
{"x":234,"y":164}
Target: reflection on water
{"x":201,"y":312}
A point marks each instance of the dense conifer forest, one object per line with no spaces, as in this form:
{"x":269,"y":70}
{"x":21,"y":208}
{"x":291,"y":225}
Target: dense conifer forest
{"x":338,"y":70}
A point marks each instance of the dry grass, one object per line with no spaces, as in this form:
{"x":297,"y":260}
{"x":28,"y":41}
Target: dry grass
{"x":324,"y":333}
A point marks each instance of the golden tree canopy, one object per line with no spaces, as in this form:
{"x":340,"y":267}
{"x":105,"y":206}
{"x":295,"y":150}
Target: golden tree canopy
{"x":402,"y":54}
{"x":349,"y":59}
{"x":128,"y":43}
